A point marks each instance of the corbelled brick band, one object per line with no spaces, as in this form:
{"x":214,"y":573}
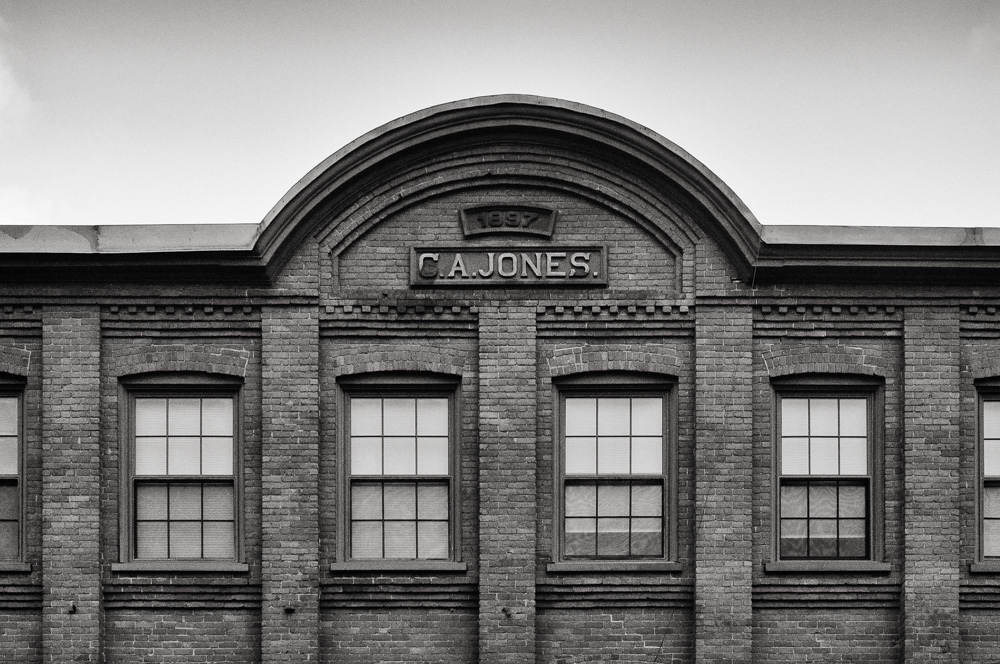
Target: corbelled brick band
{"x":723,"y":481}
{"x":507,"y":514}
{"x":71,"y":609}
{"x":290,"y":485}
{"x":931,"y":456}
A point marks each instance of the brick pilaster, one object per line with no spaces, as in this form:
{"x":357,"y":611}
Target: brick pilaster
{"x":723,"y":480}
{"x":289,"y":485}
{"x":71,"y":453}
{"x":931,"y":472}
{"x":507,"y":484}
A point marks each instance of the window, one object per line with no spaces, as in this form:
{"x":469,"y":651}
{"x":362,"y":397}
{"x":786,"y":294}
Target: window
{"x":10,"y":477}
{"x":990,"y":477}
{"x":825,"y":484}
{"x":183,"y":467}
{"x":400,"y":474}
{"x":614,"y":467}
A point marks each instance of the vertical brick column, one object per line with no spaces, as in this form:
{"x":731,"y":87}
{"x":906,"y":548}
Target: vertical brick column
{"x":71,"y":467}
{"x":506,"y":484}
{"x":931,"y":485}
{"x":723,"y":481}
{"x":289,"y":485}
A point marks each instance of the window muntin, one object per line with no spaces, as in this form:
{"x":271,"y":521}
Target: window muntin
{"x":824,"y":481}
{"x":399,"y":477}
{"x":10,"y":478}
{"x":613,"y":480}
{"x":183,"y":477}
{"x":990,"y":507}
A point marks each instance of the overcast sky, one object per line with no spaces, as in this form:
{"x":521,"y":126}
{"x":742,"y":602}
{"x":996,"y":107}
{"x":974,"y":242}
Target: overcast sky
{"x":196,"y":111}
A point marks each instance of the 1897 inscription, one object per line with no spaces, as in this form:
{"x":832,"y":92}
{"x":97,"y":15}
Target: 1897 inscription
{"x":508,"y":219}
{"x":531,"y":266}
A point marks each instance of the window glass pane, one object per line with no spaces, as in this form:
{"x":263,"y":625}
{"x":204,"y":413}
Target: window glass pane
{"x":432,"y":501}
{"x":647,"y":501}
{"x":185,"y":539}
{"x":366,"y":501}
{"x":9,"y":510}
{"x":217,"y":456}
{"x":150,"y":456}
{"x":823,"y":538}
{"x":581,"y":537}
{"x":432,"y":417}
{"x":151,"y":539}
{"x":794,"y":456}
{"x":399,"y":417}
{"x":218,"y":502}
{"x":400,"y":501}
{"x":794,"y":502}
{"x":366,"y":539}
{"x":185,"y":501}
{"x":9,"y":540}
{"x":852,"y":502}
{"x":823,"y":456}
{"x":612,"y":455}
{"x":793,"y":542}
{"x":366,"y":417}
{"x":151,"y":417}
{"x":822,"y":500}
{"x":581,"y":456}
{"x":581,"y":417}
{"x":151,"y":502}
{"x":991,"y":458}
{"x":8,"y":456}
{"x":612,"y":500}
{"x":217,"y":417}
{"x":612,"y":537}
{"x":991,"y":419}
{"x":432,"y":456}
{"x":432,"y":540}
{"x":581,"y":500}
{"x":854,"y":417}
{"x":991,"y":538}
{"x":8,"y":416}
{"x":991,"y":502}
{"x":794,"y":417}
{"x":647,"y":537}
{"x":184,"y":417}
{"x":400,"y":456}
{"x":853,"y":456}
{"x":823,"y":417}
{"x":184,"y":456}
{"x":613,"y":417}
{"x":647,"y":456}
{"x":647,"y":417}
{"x":400,"y":539}
{"x":366,"y":456}
{"x":220,"y":541}
{"x":852,"y":538}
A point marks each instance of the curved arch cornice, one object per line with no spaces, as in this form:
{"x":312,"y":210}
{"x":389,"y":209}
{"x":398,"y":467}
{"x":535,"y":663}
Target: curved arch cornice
{"x":725,"y":217}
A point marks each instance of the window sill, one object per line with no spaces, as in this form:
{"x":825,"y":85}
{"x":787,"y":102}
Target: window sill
{"x":195,"y":566}
{"x":612,"y":566}
{"x":985,"y":567}
{"x":828,"y":566}
{"x":15,"y":568}
{"x":399,"y":566}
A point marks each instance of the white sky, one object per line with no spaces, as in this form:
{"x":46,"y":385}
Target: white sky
{"x":191,"y":111}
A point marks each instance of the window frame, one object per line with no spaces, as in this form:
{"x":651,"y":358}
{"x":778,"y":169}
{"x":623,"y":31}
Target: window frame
{"x":176,"y":385}
{"x":812,"y":386}
{"x":616,"y":384}
{"x":387,"y":385}
{"x":987,"y":389}
{"x":13,"y":386}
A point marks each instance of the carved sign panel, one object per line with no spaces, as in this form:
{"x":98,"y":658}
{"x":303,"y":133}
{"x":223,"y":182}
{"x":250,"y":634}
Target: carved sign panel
{"x":485,"y":267}
{"x":503,"y":219}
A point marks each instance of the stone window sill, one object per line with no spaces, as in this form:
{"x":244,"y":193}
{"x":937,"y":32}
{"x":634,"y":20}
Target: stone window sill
{"x":399,"y":566}
{"x":193,"y":566}
{"x":614,"y":566}
{"x":15,"y":568}
{"x":827,"y":566}
{"x":985,"y":567}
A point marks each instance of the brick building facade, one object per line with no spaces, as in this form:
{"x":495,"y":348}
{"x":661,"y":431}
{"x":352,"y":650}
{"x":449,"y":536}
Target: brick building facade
{"x":507,"y":380}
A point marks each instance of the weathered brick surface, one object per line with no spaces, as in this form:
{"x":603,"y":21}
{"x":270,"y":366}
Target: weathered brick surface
{"x":20,"y":636}
{"x":860,"y":636}
{"x":71,"y":613}
{"x":623,"y":635}
{"x":170,"y":636}
{"x":290,"y":484}
{"x":931,"y":577}
{"x":374,"y":636}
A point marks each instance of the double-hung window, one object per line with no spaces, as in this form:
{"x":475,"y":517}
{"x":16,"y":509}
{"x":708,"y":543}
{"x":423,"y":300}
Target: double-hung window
{"x":614,"y":474}
{"x":990,"y":477}
{"x":826,"y":479}
{"x":10,"y":477}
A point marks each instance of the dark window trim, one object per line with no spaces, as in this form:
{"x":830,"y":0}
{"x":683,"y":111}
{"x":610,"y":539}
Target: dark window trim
{"x":12,"y":385}
{"x":181,"y":384}
{"x":386,"y":385}
{"x":611,"y":384}
{"x":812,"y":385}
